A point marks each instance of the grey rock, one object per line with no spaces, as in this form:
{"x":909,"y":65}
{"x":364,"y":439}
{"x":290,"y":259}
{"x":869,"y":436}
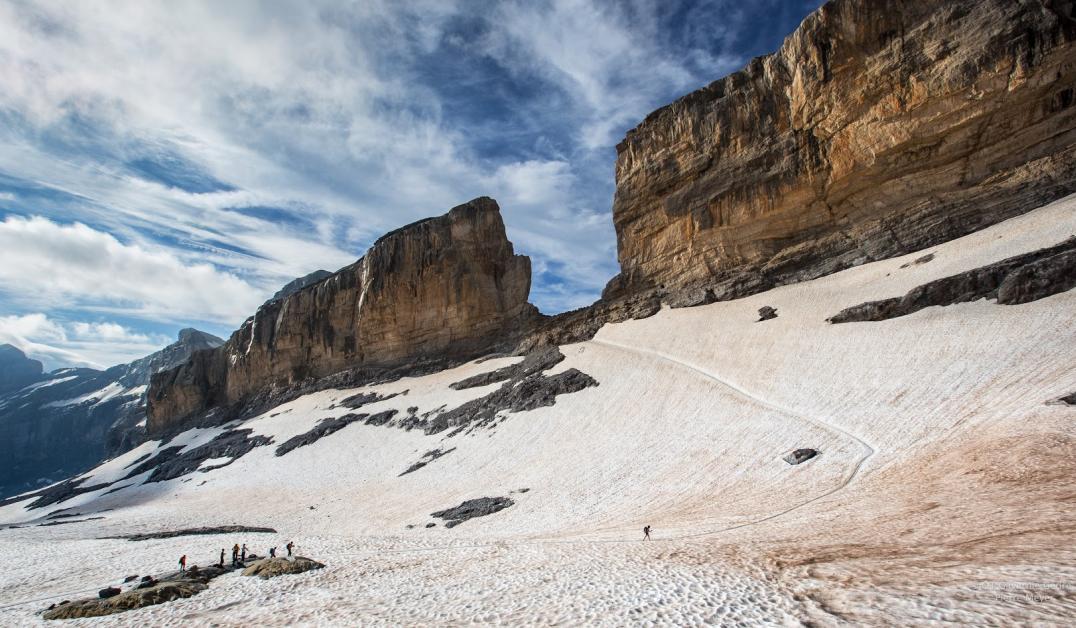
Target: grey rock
{"x":766,"y":313}
{"x":800,"y":456}
{"x":472,"y":508}
{"x":302,"y":282}
{"x":169,"y":534}
{"x":1019,"y":279}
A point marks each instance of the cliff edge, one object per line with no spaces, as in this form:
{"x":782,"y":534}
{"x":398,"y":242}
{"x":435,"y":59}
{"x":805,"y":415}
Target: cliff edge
{"x":878,"y":128}
{"x":444,"y":288}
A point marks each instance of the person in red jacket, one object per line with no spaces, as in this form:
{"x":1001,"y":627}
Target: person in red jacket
{"x":183,"y":563}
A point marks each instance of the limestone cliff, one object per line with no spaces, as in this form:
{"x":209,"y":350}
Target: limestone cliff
{"x":449,"y":287}
{"x":879,"y":127}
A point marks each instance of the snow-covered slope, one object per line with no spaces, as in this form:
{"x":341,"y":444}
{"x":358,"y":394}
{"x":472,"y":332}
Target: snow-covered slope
{"x":942,"y":491}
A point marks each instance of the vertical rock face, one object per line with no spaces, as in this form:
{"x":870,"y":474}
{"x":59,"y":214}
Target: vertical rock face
{"x":879,"y":127}
{"x":442,"y":288}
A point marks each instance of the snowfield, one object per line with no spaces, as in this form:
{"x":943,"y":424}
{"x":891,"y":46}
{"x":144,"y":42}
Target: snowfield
{"x":943,"y":491}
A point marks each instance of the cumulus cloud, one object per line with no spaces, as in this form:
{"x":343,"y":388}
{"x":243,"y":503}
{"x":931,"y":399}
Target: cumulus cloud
{"x":94,"y":345}
{"x":55,"y":264}
{"x":232,"y":146}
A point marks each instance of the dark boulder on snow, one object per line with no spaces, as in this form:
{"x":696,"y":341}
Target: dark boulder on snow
{"x":800,"y":456}
{"x":766,"y":313}
{"x":108,"y":592}
{"x":472,"y":508}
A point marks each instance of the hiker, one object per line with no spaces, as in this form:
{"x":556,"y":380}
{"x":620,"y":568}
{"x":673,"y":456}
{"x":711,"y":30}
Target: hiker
{"x":183,"y":563}
{"x":646,"y":533}
{"x":272,"y":552}
{"x":235,"y":555}
{"x":222,"y":557}
{"x":243,"y":557}
{"x":289,"y":546}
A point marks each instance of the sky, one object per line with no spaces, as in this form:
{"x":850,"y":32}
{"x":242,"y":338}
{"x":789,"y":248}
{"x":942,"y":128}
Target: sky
{"x":167,"y":165}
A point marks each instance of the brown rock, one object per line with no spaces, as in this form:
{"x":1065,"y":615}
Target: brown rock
{"x":273,"y":567}
{"x":445,"y":287}
{"x":880,"y":127}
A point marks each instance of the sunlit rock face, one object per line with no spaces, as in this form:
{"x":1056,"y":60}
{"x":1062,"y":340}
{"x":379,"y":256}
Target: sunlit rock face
{"x":879,"y":127}
{"x":443,"y":288}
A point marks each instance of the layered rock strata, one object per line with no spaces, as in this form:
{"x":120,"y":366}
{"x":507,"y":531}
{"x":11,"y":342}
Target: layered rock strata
{"x":878,"y":128}
{"x":449,"y":287}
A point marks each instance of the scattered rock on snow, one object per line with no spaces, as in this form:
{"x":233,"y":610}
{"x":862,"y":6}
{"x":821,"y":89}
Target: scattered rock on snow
{"x":233,"y":444}
{"x":272,"y":567}
{"x":766,"y":313}
{"x":929,"y":257}
{"x":800,"y":456}
{"x":427,"y":458}
{"x":324,"y":428}
{"x":472,"y":508}
{"x":363,"y":399}
{"x":1020,"y":279}
{"x":526,"y":388}
{"x":169,"y":534}
{"x":1067,"y":400}
{"x":150,"y":591}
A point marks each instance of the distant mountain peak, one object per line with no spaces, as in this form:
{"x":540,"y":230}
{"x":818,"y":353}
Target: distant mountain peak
{"x":17,"y":370}
{"x":298,"y":284}
{"x":191,"y":335}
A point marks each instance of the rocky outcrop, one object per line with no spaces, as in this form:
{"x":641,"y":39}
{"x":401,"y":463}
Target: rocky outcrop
{"x":880,"y":127}
{"x":1020,"y":279}
{"x":273,"y":567}
{"x":473,"y":508}
{"x":69,"y":420}
{"x":442,"y":289}
{"x":150,"y":591}
{"x":171,"y":534}
{"x":17,"y":370}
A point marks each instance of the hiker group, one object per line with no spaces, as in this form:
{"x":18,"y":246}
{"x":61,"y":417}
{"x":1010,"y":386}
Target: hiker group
{"x":240,"y":555}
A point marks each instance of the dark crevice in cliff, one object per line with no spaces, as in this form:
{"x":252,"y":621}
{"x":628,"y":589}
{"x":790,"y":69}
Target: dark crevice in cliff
{"x":1020,"y":279}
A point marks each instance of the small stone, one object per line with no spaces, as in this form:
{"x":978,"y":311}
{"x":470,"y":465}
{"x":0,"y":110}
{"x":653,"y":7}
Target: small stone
{"x":766,"y":313}
{"x":108,"y":592}
{"x":800,"y":456}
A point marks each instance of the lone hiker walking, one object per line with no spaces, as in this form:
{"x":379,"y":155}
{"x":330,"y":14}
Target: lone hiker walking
{"x":183,"y":563}
{"x":646,"y":533}
{"x":289,"y":547}
{"x":272,"y":552}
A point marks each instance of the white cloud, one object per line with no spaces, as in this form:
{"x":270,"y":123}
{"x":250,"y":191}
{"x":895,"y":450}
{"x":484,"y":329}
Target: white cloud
{"x":8,"y":197}
{"x":323,"y":109}
{"x":49,"y":263}
{"x":57,"y":344}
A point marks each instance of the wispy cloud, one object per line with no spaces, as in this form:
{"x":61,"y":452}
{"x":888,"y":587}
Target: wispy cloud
{"x":50,"y":264}
{"x":94,"y":345}
{"x":237,"y":145}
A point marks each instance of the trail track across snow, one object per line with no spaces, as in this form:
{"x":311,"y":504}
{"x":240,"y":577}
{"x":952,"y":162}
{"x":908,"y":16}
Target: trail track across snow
{"x":868,"y":450}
